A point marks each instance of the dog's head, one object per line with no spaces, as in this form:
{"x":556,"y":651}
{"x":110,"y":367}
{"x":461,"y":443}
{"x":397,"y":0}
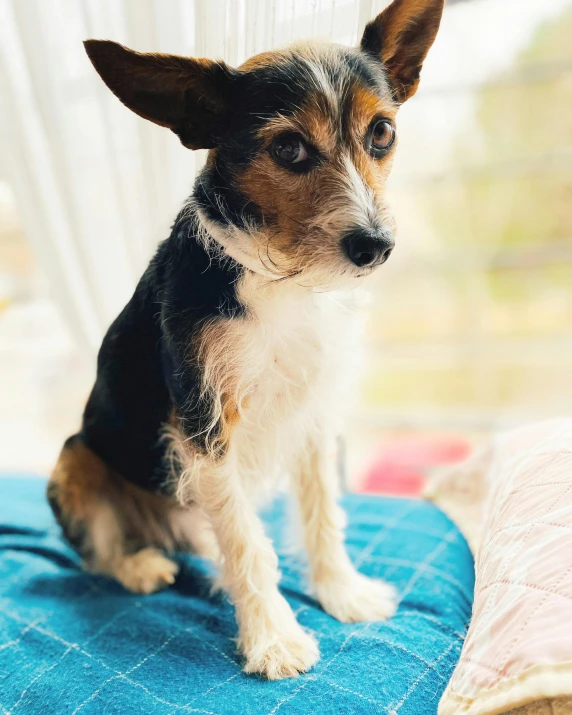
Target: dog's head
{"x":301,"y":140}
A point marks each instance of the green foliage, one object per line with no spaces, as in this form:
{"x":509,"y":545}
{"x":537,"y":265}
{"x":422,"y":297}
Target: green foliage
{"x":521,"y":192}
{"x":480,"y":319}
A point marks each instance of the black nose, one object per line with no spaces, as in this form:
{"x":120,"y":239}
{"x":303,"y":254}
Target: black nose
{"x":366,"y":246}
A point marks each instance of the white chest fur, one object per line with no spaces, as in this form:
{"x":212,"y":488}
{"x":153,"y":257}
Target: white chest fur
{"x":287,"y":363}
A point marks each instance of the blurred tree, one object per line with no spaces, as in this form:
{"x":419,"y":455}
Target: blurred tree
{"x":520,"y":189}
{"x":487,"y":328}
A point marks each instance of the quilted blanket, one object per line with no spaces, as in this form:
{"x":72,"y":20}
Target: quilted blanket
{"x":71,"y":642}
{"x":513,"y":500}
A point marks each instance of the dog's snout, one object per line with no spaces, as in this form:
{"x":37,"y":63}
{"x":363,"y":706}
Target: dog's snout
{"x":367,"y":247}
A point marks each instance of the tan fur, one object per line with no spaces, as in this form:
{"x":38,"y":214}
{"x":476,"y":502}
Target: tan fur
{"x":275,"y":375}
{"x":307,"y":214}
{"x":406,"y":30}
{"x":210,"y":349}
{"x":263,"y":59}
{"x":396,"y":18}
{"x":363,"y":107}
{"x":343,"y":592}
{"x":282,"y":361}
{"x":315,"y":119}
{"x":115,"y":524}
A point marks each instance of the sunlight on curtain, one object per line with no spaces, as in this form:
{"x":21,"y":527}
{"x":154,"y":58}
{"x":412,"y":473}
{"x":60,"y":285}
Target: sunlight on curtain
{"x":472,"y":314}
{"x":98,"y":187}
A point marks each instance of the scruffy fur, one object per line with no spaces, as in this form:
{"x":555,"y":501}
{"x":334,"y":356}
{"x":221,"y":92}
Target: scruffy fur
{"x":224,"y":375}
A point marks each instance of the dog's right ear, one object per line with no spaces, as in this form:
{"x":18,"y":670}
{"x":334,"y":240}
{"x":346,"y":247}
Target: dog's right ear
{"x":189,"y":96}
{"x":400,"y":36}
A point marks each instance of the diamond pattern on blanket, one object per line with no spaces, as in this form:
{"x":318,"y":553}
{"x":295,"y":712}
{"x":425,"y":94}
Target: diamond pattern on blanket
{"x":71,"y":642}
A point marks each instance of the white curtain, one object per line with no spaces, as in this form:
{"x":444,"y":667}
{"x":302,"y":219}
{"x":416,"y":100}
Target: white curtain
{"x":96,"y":186}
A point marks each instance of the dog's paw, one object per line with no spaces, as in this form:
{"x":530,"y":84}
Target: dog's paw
{"x":356,"y":597}
{"x":146,"y":571}
{"x":285,"y":655}
{"x":206,"y":546}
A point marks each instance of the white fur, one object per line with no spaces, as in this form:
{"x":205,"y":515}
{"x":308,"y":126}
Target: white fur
{"x":277,"y":380}
{"x":284,"y":365}
{"x":243,"y":246}
{"x":361,"y":208}
{"x":144,"y":571}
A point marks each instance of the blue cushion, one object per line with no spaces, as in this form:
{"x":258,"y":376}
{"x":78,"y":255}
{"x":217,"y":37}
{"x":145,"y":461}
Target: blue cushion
{"x":71,"y":642}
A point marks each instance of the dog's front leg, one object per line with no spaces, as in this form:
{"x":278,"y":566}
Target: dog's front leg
{"x":270,"y":638}
{"x":343,"y":592}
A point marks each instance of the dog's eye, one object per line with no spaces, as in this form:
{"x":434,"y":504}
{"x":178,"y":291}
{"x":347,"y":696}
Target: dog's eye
{"x":290,"y":151}
{"x":382,"y":136}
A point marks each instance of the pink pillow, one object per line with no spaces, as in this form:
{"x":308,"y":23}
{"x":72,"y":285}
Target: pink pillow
{"x":513,"y":500}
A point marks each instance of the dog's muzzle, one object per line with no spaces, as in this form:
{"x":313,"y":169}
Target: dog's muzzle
{"x":368,"y":246}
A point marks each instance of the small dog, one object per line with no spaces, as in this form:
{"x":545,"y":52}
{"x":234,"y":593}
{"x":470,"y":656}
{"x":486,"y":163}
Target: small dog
{"x":224,"y":370}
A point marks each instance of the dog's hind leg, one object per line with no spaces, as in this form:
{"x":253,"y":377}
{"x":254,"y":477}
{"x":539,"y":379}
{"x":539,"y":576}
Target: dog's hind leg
{"x":145,"y":570}
{"x":117,"y":528}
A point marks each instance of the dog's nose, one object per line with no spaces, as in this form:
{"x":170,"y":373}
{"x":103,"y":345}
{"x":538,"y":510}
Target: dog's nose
{"x":366,"y":246}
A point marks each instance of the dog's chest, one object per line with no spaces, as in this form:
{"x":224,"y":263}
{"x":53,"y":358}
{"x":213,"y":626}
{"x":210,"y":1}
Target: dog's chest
{"x":280,"y":371}
{"x":290,"y":359}
{"x":286,"y":350}
{"x":292,"y":362}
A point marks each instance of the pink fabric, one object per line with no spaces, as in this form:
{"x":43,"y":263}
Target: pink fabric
{"x":522,"y":614}
{"x":402,"y":464}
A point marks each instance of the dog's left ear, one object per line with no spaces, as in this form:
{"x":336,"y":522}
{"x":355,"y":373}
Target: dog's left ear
{"x":400,"y":37}
{"x":189,"y":96}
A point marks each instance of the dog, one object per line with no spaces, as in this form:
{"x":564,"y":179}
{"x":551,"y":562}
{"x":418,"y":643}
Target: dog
{"x":224,"y":371}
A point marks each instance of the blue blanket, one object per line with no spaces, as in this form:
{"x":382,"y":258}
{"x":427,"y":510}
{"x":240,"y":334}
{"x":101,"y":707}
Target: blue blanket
{"x":71,"y":642}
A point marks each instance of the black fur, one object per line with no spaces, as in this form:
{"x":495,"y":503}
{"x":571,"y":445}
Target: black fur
{"x":256,"y":97}
{"x":371,"y":42}
{"x":145,"y":368}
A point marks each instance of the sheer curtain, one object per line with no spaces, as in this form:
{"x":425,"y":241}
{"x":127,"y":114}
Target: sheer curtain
{"x":470,"y":320}
{"x":96,"y":186}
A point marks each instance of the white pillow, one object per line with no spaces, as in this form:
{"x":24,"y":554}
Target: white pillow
{"x":513,"y":501}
